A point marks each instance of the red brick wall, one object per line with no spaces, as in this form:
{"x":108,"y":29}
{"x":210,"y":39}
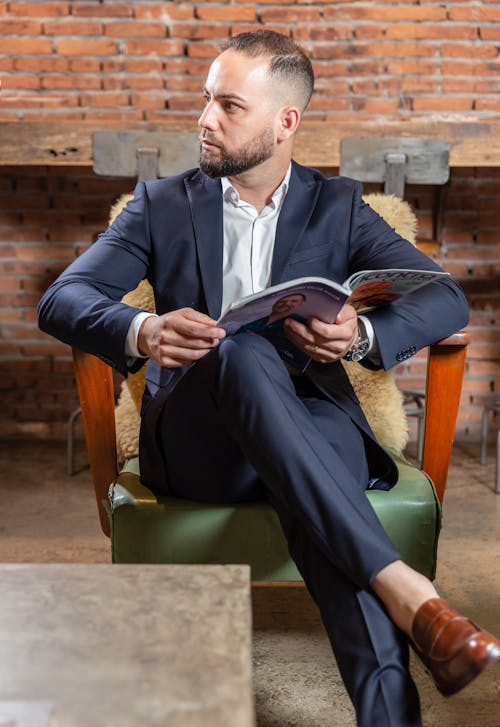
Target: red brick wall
{"x":470,"y":251}
{"x":147,"y":59}
{"x":49,"y":215}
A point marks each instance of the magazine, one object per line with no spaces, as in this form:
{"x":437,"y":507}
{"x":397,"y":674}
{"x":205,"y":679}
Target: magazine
{"x":302,"y":298}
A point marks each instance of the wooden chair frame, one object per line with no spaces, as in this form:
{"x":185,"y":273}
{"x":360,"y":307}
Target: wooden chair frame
{"x":445,"y":368}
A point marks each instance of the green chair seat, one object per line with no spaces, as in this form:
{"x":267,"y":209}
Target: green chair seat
{"x":150,"y":529}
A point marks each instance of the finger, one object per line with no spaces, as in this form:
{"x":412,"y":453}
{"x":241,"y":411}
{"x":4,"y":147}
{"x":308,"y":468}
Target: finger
{"x":325,"y":338}
{"x":319,"y":348}
{"x":313,"y":347}
{"x":322,"y":354}
{"x":192,"y":344}
{"x":196,"y":315}
{"x":298,"y":333}
{"x":347,"y":313}
{"x":173,"y":356}
{"x":204,"y":320}
{"x":316,"y":331}
{"x":297,"y":328}
{"x":192,"y":329}
{"x":336,"y":334}
{"x":170,"y":337}
{"x":187,"y":327}
{"x":326,"y":331}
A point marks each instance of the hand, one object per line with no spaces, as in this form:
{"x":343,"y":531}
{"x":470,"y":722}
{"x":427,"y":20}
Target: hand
{"x":178,"y":338}
{"x":325,"y":342}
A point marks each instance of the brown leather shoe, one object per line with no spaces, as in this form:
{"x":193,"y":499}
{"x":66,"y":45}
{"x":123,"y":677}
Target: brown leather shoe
{"x":452,"y":648}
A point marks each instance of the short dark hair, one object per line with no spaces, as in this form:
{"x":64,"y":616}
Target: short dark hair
{"x":288,"y":61}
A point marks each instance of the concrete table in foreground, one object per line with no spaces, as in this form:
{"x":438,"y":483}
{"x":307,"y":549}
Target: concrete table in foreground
{"x":127,"y":645}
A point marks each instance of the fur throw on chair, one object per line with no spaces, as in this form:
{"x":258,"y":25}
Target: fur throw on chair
{"x":380,"y":398}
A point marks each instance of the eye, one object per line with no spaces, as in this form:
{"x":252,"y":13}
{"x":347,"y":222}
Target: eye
{"x":230,"y":106}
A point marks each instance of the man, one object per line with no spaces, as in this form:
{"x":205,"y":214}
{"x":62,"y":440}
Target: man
{"x":281,"y":309}
{"x":285,"y":306}
{"x":223,"y":420}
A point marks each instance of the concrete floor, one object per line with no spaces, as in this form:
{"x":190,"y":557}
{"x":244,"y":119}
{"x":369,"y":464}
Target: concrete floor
{"x":47,"y":516}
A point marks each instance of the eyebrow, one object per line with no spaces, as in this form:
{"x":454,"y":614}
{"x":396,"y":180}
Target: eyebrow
{"x":225,"y":95}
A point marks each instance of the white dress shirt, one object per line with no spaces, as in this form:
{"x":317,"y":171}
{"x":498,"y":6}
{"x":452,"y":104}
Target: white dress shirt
{"x":248,"y":247}
{"x":248,"y":242}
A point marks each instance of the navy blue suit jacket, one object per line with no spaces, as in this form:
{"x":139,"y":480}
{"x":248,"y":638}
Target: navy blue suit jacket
{"x":172,"y":234}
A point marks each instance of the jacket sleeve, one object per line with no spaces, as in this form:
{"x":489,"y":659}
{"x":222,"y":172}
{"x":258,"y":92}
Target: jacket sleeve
{"x":82,"y":307}
{"x":417,"y":319}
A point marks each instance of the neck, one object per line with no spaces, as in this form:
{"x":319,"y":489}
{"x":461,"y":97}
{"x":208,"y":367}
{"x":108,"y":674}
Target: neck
{"x":257,"y":186}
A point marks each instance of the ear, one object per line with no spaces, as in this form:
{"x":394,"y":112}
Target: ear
{"x":289,"y":120}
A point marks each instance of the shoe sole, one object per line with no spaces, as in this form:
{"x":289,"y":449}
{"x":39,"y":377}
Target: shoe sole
{"x":492,"y":655}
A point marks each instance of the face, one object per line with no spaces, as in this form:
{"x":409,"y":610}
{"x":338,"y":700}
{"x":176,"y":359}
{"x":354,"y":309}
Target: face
{"x":288,"y":303}
{"x":238,"y":124}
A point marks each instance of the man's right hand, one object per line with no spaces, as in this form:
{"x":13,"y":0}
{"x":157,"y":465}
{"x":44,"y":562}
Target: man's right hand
{"x":178,"y":338}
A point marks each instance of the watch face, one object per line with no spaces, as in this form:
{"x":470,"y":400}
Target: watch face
{"x":357,"y":355}
{"x":358,"y":350}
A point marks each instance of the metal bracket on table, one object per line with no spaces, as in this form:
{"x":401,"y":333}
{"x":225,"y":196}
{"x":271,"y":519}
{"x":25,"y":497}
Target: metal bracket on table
{"x":144,"y":154}
{"x":395,"y":161}
{"x":147,"y":164}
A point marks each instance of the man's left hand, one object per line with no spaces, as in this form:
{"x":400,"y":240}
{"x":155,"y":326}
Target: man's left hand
{"x":325,"y":342}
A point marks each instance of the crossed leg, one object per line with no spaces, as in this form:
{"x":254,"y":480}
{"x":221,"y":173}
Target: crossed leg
{"x":236,"y":429}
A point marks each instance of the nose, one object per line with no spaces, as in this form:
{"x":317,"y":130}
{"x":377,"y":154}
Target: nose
{"x":208,"y":118}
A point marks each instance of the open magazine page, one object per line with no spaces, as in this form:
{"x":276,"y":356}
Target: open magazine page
{"x":373,"y":288}
{"x":264,"y":313}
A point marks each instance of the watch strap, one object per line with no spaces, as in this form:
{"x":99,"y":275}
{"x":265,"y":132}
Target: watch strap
{"x":359,"y":348}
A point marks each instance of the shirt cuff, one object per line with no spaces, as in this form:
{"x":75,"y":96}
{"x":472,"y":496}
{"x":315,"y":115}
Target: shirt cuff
{"x":131,"y":348}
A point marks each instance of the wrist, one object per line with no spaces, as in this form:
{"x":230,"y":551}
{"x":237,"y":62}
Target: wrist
{"x":142,"y":336}
{"x":360,"y":346}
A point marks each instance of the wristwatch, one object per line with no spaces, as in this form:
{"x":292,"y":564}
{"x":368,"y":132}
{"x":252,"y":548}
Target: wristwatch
{"x":360,"y":347}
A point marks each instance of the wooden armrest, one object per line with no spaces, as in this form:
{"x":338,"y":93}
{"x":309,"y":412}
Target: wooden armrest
{"x":94,"y":379}
{"x":445,"y":370}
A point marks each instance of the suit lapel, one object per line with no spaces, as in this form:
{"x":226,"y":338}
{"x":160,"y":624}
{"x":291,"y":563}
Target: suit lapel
{"x":299,"y":204}
{"x":205,"y":201}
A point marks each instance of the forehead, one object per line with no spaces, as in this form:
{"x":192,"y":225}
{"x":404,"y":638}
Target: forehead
{"x":234,"y":72}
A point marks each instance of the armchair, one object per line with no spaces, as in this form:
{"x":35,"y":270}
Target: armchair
{"x":144,"y":528}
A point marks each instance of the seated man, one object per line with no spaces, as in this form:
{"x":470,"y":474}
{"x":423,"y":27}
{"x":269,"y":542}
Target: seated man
{"x":223,"y":419}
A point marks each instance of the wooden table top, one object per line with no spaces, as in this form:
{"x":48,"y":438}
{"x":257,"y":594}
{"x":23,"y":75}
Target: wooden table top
{"x":473,"y":143}
{"x":127,"y":645}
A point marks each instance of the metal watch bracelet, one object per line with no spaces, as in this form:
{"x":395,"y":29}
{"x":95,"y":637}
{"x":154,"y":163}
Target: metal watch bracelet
{"x":359,"y":348}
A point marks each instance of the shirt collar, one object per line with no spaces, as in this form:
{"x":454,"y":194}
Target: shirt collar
{"x":230,"y":194}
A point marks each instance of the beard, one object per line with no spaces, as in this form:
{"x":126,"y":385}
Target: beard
{"x":258,"y":150}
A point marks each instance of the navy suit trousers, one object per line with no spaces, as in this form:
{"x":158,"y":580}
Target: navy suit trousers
{"x":236,"y":428}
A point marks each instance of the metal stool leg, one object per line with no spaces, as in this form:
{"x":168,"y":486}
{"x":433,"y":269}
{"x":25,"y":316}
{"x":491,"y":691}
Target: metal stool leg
{"x":497,"y":466}
{"x":484,"y":433}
